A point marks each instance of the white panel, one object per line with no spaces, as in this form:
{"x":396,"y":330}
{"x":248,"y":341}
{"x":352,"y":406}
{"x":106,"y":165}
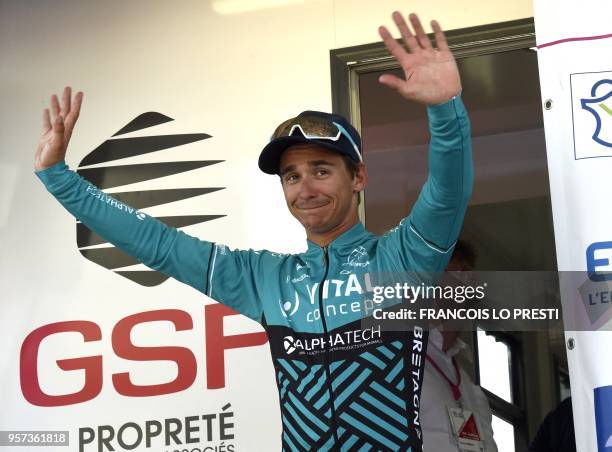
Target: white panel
{"x":579,"y":170}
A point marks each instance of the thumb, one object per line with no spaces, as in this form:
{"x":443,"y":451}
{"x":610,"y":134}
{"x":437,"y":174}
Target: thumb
{"x":391,"y":81}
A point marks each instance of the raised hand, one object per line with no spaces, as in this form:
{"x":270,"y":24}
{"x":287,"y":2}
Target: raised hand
{"x":431,"y":75}
{"x":57,"y":130}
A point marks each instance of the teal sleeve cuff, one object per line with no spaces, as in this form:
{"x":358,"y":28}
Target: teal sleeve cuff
{"x":452,"y":109}
{"x":46,"y":175}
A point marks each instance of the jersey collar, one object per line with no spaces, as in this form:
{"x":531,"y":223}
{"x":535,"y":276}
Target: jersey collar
{"x":351,"y":236}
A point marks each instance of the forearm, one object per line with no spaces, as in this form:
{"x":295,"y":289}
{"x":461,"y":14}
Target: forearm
{"x":145,"y":238}
{"x":438,"y":214}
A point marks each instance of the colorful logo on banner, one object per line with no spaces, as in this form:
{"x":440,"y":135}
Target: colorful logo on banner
{"x":596,"y":261}
{"x":596,"y":292}
{"x":592,"y":114}
{"x":104,"y":177}
{"x":603,"y":418}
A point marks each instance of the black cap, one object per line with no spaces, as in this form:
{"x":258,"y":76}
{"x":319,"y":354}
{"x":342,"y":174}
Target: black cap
{"x":269,"y":159}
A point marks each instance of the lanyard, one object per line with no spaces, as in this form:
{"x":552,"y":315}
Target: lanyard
{"x":454,"y":387}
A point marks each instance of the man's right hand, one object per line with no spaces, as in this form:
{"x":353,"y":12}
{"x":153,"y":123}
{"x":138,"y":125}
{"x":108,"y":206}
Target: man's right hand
{"x":57,"y":129}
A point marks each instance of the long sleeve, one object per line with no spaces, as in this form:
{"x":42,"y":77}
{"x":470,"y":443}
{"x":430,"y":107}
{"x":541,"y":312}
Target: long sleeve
{"x":426,"y":237}
{"x":158,"y":246}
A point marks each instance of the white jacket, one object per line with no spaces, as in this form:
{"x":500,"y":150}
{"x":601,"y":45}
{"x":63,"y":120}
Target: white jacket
{"x":436,"y":395}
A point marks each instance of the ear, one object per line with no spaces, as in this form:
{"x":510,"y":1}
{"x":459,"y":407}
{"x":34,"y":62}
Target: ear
{"x":361,"y":179}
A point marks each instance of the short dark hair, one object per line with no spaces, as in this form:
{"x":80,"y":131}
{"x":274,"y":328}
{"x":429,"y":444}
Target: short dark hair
{"x":353,"y":168}
{"x":351,"y":165}
{"x":466,"y":252}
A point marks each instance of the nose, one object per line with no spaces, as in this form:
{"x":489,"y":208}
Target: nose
{"x":307,"y":188}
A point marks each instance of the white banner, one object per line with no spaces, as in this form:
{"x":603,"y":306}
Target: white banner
{"x":575,"y":59}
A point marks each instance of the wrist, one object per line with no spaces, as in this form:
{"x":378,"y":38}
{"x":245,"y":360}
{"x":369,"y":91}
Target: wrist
{"x":57,"y":165}
{"x":447,"y":100}
{"x":448,"y":110}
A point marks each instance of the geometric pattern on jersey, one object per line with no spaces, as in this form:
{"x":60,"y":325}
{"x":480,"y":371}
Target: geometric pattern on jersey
{"x":370,"y":402}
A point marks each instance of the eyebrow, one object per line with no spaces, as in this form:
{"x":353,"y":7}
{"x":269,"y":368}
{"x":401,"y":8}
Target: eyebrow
{"x":312,"y":163}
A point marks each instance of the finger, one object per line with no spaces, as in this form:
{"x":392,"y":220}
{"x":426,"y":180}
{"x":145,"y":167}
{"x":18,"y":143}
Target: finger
{"x":66,"y":101}
{"x":392,"y":45}
{"x":58,"y":127}
{"x":46,"y":121}
{"x":391,"y":81}
{"x":439,"y":34}
{"x":407,"y":35}
{"x":75,"y":110}
{"x":422,"y":38}
{"x":76,"y":103}
{"x":55,"y":108}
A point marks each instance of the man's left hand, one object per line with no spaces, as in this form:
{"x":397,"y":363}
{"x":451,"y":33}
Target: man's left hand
{"x":431,"y":75}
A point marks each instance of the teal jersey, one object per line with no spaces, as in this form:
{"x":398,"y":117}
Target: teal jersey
{"x":344,"y":384}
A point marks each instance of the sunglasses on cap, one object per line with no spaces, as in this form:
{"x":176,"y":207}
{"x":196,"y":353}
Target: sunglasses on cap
{"x":314,"y":127}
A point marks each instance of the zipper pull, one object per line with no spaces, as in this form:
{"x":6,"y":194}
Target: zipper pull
{"x":325,"y":257}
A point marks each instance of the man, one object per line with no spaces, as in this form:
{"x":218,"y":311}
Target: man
{"x":340,"y":386}
{"x":455,"y":413}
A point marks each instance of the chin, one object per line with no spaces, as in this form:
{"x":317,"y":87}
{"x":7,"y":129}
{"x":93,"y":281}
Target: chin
{"x":318,"y":228}
{"x":311,"y":222}
{"x":312,"y":227}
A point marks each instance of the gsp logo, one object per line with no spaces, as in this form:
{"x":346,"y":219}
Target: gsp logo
{"x":595,"y":257}
{"x":603,"y":418}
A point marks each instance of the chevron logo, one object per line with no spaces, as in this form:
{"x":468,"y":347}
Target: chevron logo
{"x":105,"y":177}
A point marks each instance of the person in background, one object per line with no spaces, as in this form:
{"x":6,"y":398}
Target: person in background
{"x":556,"y":433}
{"x":455,"y":413}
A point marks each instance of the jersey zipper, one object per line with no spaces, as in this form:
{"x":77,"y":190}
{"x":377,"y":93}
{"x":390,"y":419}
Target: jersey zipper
{"x":334,"y":425}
